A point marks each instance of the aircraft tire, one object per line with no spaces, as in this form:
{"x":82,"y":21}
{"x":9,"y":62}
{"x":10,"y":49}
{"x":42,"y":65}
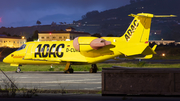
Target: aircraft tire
{"x":18,"y":70}
{"x":69,"y":71}
{"x":92,"y":70}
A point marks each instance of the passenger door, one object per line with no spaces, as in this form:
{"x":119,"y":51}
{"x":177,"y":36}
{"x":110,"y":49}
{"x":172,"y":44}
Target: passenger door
{"x":29,"y":52}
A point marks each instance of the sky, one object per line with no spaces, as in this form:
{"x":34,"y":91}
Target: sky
{"x":18,"y":13}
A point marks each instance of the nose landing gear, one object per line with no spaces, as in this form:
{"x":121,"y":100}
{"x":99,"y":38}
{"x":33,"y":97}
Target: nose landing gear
{"x":18,"y":69}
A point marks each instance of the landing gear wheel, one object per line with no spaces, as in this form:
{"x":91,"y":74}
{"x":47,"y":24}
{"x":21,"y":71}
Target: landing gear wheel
{"x":70,"y":70}
{"x":18,"y":70}
{"x":93,"y":69}
{"x":90,"y":70}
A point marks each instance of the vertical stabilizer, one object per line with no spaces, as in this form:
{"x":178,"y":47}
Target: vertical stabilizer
{"x":135,"y":40}
{"x":139,"y":29}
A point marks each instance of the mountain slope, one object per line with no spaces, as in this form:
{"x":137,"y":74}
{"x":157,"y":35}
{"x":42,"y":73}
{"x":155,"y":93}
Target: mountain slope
{"x":116,"y":21}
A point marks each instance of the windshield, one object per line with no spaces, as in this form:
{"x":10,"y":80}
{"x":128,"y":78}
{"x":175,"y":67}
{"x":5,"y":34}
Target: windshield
{"x":22,"y":47}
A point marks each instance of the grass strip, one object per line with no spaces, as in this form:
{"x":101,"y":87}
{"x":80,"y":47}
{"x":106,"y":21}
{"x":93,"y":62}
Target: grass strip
{"x":7,"y":67}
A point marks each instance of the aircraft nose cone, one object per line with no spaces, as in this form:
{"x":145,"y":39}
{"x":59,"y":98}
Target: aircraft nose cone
{"x":7,"y":59}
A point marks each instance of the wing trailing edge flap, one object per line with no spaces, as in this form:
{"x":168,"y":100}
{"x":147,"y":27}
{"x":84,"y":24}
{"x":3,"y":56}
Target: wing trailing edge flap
{"x":73,"y":60}
{"x":56,"y":60}
{"x":43,"y":59}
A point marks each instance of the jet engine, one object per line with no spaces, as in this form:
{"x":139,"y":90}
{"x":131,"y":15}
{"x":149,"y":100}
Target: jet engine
{"x":89,"y":43}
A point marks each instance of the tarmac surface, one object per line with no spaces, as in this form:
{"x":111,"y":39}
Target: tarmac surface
{"x":89,"y":97}
{"x":76,"y":81}
{"x":54,"y":80}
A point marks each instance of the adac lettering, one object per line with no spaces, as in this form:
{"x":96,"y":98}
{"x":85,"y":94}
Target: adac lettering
{"x":49,"y":51}
{"x":131,"y":30}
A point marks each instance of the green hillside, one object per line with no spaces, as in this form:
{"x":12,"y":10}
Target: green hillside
{"x":115,"y":21}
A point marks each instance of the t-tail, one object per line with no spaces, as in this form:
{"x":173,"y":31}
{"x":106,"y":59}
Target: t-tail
{"x":136,"y":38}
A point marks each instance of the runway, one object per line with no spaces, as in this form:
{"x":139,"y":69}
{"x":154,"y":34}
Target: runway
{"x":54,"y":80}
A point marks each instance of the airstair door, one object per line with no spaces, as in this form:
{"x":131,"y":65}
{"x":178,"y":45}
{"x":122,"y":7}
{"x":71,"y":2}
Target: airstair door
{"x":29,"y":52}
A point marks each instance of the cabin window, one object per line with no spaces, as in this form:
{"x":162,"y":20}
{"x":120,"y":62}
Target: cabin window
{"x":47,"y":49}
{"x":42,"y":49}
{"x":53,"y":50}
{"x":22,"y":47}
{"x":36,"y":50}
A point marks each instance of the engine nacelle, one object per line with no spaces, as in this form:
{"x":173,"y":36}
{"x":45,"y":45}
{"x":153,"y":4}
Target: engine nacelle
{"x":89,"y":43}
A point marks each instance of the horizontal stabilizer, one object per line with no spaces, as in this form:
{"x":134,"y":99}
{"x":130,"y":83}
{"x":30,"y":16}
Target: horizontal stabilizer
{"x":161,"y":16}
{"x":149,"y":50}
{"x":151,"y":15}
{"x":146,"y":54}
{"x":154,"y":47}
{"x":131,"y":50}
{"x":146,"y":57}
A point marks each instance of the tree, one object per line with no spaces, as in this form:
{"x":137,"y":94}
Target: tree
{"x":8,"y":34}
{"x":61,"y":23}
{"x":61,"y":30}
{"x":110,"y":35}
{"x":96,"y":35}
{"x":53,"y":24}
{"x":16,"y":36}
{"x":83,"y":17}
{"x":29,"y":39}
{"x":91,"y":14}
{"x":38,"y":22}
{"x":35,"y":35}
{"x":4,"y":33}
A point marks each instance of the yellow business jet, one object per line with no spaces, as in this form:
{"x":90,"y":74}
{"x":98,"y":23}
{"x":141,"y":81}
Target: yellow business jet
{"x":89,"y":50}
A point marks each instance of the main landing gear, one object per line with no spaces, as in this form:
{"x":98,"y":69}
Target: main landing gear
{"x":93,"y":68}
{"x":68,"y":68}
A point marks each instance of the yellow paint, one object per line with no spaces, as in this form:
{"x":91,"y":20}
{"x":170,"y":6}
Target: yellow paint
{"x":133,"y":44}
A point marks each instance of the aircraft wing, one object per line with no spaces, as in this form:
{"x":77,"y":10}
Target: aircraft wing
{"x":57,"y":60}
{"x":70,"y":60}
{"x":44,"y":59}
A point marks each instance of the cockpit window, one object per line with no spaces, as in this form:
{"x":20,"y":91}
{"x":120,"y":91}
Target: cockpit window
{"x":22,"y":47}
